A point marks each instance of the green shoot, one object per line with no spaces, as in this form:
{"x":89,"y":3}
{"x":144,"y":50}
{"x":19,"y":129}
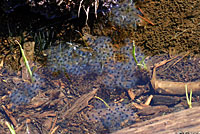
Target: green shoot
{"x":26,"y":61}
{"x":134,"y":53}
{"x":142,"y":63}
{"x":189,"y":101}
{"x":102,"y":101}
{"x":11,"y":128}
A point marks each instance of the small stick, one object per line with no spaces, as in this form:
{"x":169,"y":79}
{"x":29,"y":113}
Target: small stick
{"x":138,"y":106}
{"x":131,"y":94}
{"x":54,"y":130}
{"x":10,"y":116}
{"x":181,"y":58}
{"x":53,"y":126}
{"x":145,"y":18}
{"x":148,"y":101}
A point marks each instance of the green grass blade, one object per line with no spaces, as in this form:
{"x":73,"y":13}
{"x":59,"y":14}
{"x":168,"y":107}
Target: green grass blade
{"x":142,"y":63}
{"x":25,"y":61}
{"x":11,"y":128}
{"x":134,"y":57}
{"x":189,"y":101}
{"x":102,"y":101}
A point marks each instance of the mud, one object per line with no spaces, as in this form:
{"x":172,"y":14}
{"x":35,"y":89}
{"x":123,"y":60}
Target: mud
{"x":176,"y":27}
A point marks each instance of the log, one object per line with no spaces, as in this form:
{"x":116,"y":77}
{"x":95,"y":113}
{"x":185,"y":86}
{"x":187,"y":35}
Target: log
{"x":174,"y":88}
{"x":185,"y":121}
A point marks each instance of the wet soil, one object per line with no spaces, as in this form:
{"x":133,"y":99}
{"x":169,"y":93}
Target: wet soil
{"x":176,"y":27}
{"x":176,"y":30}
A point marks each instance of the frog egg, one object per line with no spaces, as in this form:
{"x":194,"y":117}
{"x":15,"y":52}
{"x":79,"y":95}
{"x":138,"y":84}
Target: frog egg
{"x":122,"y":75}
{"x":112,"y":118}
{"x":95,"y":67}
{"x":17,"y":97}
{"x":125,"y":15}
{"x":89,"y":41}
{"x":102,"y":40}
{"x":31,"y":93}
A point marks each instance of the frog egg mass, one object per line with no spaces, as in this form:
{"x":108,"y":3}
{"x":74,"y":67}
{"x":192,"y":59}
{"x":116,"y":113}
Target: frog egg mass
{"x":125,"y":15}
{"x":116,"y":117}
{"x":98,"y":59}
{"x":25,"y":91}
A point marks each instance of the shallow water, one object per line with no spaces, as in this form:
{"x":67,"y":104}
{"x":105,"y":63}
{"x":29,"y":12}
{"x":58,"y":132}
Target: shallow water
{"x":97,"y":61}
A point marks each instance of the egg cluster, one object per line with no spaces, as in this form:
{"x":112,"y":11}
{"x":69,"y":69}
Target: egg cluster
{"x":113,"y":118}
{"x":76,"y":60}
{"x":25,"y":91}
{"x":121,"y":74}
{"x":99,"y":57}
{"x":125,"y":15}
{"x":96,"y":58}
